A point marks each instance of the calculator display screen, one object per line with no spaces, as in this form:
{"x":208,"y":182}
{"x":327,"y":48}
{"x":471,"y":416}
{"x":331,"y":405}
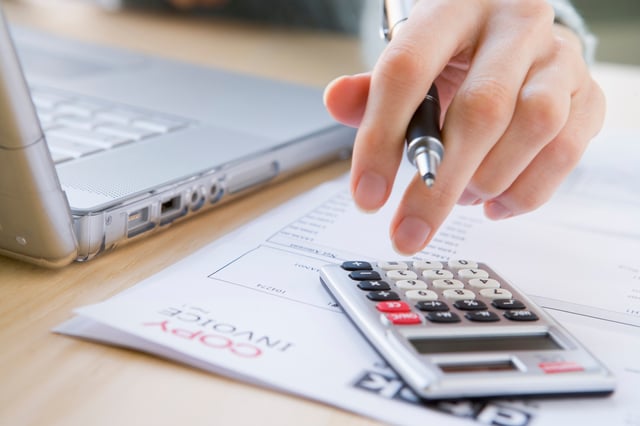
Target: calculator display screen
{"x":539,"y":342}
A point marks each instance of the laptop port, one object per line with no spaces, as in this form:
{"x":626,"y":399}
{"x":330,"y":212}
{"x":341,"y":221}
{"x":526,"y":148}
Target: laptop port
{"x":197,"y":199}
{"x":171,"y":209}
{"x":215,"y":193}
{"x":170,"y":206}
{"x":138,"y":222}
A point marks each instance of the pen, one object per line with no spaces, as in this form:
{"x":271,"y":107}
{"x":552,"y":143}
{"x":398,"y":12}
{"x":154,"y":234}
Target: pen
{"x":423,"y":137}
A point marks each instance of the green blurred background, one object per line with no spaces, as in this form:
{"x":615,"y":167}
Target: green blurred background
{"x":616,"y":23}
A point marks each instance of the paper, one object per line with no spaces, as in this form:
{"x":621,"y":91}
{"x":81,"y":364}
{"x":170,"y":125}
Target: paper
{"x":251,"y":306}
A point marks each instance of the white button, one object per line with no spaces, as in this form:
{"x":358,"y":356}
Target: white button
{"x":473,"y":273}
{"x":420,"y":295}
{"x":484,"y":283}
{"x":496,"y":293}
{"x":462,"y":264}
{"x":411,"y":284}
{"x":459,"y":294}
{"x":427,"y":264}
{"x":388,"y":266}
{"x":437,"y":274}
{"x":402,"y":275}
{"x":444,"y":284}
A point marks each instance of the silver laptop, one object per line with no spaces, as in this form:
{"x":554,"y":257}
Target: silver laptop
{"x":101,"y":146}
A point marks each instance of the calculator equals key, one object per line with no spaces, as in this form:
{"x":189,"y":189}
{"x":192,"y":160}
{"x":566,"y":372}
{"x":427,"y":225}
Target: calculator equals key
{"x":459,"y":329}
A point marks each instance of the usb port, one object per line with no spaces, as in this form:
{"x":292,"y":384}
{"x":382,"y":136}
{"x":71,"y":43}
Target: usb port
{"x":167,"y":208}
{"x":172,"y":209}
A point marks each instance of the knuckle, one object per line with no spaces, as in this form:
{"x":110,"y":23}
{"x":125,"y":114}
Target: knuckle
{"x":569,"y":47}
{"x":540,"y":10}
{"x":485,"y":102}
{"x":565,"y":153}
{"x":543,"y":112}
{"x":446,"y":191}
{"x":402,"y":64}
{"x":486,"y":183}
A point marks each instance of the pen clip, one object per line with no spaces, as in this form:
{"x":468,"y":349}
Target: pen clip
{"x":394,"y":12}
{"x":385,"y":31}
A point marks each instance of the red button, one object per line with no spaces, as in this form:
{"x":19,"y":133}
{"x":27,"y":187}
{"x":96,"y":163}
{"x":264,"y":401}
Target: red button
{"x":560,"y":367}
{"x":404,"y":318}
{"x":393,"y":306}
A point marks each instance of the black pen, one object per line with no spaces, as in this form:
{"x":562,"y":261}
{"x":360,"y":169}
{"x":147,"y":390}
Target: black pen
{"x":423,"y":137}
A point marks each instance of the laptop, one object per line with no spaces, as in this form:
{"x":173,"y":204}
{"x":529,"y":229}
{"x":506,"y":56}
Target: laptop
{"x":100,"y":146}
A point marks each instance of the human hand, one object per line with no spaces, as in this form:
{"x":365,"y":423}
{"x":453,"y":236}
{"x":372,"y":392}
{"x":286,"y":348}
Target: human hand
{"x":519,"y":107}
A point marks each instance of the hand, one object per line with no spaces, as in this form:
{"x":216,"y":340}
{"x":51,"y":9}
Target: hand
{"x":519,"y":108}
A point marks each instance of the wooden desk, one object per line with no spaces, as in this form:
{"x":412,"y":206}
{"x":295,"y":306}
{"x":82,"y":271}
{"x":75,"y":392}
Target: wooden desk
{"x":46,"y":379}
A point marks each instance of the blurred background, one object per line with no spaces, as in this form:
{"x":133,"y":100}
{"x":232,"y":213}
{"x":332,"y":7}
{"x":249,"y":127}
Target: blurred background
{"x":616,"y":23}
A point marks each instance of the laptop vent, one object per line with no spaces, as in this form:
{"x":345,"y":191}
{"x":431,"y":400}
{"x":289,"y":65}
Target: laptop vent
{"x":112,"y":191}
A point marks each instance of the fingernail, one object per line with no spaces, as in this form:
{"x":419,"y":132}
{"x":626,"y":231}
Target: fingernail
{"x":371,"y":191}
{"x":411,"y":235}
{"x":496,"y":210}
{"x":468,"y":198}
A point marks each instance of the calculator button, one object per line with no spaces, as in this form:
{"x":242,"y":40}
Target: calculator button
{"x":443,"y":317}
{"x":402,"y":275}
{"x":444,"y":284}
{"x":421,"y":295}
{"x":364,"y":275}
{"x":482,"y":316}
{"x":496,"y":293}
{"x":394,"y":306}
{"x":459,"y":294}
{"x":373,"y":285}
{"x":470,"y":305}
{"x":437,"y":274}
{"x":356,"y":265}
{"x":404,"y":318}
{"x":426,"y":264}
{"x":462,"y":264}
{"x":473,"y":273}
{"x":508,"y":304}
{"x":411,"y":284}
{"x":379,"y":296}
{"x":388,"y":266}
{"x":432,"y":306}
{"x":521,"y":315}
{"x":484,"y":283}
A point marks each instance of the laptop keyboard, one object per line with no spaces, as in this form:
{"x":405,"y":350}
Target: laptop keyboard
{"x":75,"y":126}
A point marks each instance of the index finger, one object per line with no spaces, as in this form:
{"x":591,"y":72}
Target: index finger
{"x":400,"y":80}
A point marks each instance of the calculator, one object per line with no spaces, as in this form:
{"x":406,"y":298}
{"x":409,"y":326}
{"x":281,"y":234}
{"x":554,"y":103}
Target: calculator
{"x":459,"y":329}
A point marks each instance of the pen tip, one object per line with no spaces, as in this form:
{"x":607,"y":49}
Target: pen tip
{"x":429,"y":179}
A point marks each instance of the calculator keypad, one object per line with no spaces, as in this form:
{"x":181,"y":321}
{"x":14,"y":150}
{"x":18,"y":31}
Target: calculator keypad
{"x":412,"y":293}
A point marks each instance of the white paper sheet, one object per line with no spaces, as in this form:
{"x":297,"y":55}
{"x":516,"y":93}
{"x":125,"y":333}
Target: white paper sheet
{"x":251,"y":306}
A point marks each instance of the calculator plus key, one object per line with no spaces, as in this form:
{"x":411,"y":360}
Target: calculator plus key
{"x":382,"y":295}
